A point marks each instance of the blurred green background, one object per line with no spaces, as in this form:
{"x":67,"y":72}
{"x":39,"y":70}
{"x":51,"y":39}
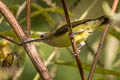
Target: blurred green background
{"x":48,"y":14}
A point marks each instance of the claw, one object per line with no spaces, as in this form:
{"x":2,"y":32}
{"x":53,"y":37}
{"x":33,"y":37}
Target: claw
{"x":74,"y":54}
{"x":79,"y":47}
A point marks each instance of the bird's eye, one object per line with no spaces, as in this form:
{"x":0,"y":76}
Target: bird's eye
{"x":41,"y":36}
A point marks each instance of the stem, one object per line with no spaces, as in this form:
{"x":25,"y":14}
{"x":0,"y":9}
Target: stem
{"x":28,"y":29}
{"x":75,"y":50}
{"x":101,"y":43}
{"x":30,"y":48}
{"x":10,"y":40}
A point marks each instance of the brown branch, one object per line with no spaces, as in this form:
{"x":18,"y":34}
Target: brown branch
{"x":30,"y":48}
{"x":93,"y":53}
{"x":101,"y":43}
{"x":75,"y":50}
{"x":28,"y":29}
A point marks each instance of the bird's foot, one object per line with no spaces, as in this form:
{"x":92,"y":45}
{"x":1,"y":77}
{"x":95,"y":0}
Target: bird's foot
{"x":81,"y":45}
{"x":76,"y":54}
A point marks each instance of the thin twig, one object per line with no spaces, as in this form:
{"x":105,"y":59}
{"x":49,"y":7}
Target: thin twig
{"x":101,"y":43}
{"x":1,"y":19}
{"x":28,"y":29}
{"x":93,"y":53}
{"x":30,"y":48}
{"x":18,"y":43}
{"x":50,"y":3}
{"x":51,"y":57}
{"x":88,"y":10}
{"x":20,"y":9}
{"x":75,"y":50}
{"x":10,"y":40}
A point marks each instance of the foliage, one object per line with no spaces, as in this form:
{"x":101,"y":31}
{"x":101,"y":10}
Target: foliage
{"x":45,"y":18}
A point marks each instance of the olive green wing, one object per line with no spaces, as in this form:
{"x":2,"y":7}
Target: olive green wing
{"x":63,"y":29}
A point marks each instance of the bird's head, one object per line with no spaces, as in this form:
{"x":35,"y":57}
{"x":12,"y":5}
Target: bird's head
{"x":43,"y":36}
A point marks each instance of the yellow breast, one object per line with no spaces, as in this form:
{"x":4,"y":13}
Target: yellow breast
{"x":64,"y":40}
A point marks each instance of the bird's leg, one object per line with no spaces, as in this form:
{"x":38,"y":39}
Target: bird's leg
{"x":81,"y":44}
{"x":73,"y":53}
{"x":79,"y":47}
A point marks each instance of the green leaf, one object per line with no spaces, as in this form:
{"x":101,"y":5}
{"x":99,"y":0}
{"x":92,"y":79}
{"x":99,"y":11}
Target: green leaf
{"x":11,"y":34}
{"x":14,"y":9}
{"x":87,"y":67}
{"x":54,"y":10}
{"x":112,"y":31}
{"x":44,"y":13}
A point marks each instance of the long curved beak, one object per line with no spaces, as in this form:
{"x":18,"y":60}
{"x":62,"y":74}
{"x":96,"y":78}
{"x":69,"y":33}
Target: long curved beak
{"x":34,"y":40}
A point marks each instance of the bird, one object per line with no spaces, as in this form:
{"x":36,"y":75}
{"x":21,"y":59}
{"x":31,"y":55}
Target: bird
{"x":82,"y":29}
